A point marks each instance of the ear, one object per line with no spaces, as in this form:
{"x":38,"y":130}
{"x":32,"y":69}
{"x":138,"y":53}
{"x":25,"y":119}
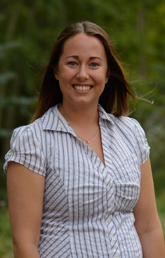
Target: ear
{"x":56,"y":73}
{"x":108,"y":76}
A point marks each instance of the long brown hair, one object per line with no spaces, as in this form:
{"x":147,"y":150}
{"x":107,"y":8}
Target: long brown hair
{"x":115,"y":97}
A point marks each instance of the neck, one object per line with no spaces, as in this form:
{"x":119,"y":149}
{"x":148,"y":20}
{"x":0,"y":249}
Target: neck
{"x":82,"y":116}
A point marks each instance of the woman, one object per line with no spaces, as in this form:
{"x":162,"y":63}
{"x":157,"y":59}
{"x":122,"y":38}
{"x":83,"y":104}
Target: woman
{"x":79,"y":178}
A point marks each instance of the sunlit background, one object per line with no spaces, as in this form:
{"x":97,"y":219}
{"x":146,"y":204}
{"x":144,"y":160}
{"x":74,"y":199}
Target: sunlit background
{"x":28,"y":30}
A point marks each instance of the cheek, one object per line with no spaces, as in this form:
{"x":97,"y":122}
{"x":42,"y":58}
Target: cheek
{"x":100,"y":79}
{"x":102,"y":89}
{"x":63,"y":80}
{"x":100,"y":76}
{"x":66,"y":76}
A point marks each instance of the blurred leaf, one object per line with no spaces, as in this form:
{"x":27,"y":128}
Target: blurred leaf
{"x":5,"y":132}
{"x":22,"y":100}
{"x":5,"y":77}
{"x":13,"y":100}
{"x":9,"y":45}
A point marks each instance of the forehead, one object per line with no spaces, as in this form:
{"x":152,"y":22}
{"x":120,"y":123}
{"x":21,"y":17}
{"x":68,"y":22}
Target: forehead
{"x":83,"y":44}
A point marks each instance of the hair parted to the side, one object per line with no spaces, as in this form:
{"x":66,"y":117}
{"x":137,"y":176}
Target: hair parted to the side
{"x":117,"y":89}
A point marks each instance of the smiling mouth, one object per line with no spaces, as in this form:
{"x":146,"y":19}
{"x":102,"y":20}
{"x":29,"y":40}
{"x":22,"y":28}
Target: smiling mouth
{"x":82,"y":88}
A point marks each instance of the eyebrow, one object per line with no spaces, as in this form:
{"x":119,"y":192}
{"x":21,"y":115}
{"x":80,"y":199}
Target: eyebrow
{"x":91,"y":58}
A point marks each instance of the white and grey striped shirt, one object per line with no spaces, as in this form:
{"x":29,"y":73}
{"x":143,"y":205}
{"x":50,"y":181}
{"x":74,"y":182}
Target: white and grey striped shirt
{"x":88,"y":207}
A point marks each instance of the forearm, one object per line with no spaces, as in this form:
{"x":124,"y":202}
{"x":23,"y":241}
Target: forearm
{"x":27,"y":250}
{"x":153,"y":244}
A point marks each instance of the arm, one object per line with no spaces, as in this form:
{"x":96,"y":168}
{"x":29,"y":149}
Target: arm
{"x":25,"y":194}
{"x":147,"y":222}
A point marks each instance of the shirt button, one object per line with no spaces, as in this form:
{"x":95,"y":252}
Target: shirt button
{"x":108,"y":220}
{"x":114,"y":238}
{"x":110,"y":184}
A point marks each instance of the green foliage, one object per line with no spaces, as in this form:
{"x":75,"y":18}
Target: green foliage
{"x":4,"y":77}
{"x":160,"y":200}
{"x":6,"y":250}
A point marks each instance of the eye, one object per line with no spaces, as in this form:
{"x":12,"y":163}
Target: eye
{"x":72,"y":63}
{"x":94,"y":64}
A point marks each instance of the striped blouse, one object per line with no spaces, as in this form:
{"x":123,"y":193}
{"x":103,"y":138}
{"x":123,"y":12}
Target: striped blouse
{"x":87,"y":207}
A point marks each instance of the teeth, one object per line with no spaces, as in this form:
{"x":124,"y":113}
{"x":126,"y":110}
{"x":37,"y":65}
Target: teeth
{"x":82,"y":88}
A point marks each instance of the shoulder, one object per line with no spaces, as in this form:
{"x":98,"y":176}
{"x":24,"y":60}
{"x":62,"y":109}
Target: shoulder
{"x":133,"y":134}
{"x":129,"y":127}
{"x":26,"y":131}
{"x":132,"y":126}
{"x":26,"y":137}
{"x":126,"y":124}
{"x":128,"y":131}
{"x":27,"y":147}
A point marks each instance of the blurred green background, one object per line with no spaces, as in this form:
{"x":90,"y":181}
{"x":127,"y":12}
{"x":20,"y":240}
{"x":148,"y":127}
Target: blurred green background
{"x":28,"y":30}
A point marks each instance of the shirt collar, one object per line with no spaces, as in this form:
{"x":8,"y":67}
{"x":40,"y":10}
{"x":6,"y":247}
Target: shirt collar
{"x":104,"y":115}
{"x":54,"y":121}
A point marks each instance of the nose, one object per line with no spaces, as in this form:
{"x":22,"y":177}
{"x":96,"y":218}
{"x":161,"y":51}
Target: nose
{"x":82,"y":73}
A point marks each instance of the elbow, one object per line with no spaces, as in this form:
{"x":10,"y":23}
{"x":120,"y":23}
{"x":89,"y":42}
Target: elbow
{"x":146,"y":228}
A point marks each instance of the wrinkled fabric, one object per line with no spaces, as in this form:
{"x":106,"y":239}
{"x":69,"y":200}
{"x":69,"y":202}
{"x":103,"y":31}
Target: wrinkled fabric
{"x":88,"y":207}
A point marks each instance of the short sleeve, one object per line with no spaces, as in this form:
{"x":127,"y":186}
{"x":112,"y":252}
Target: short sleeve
{"x":142,"y":147}
{"x":25,"y":149}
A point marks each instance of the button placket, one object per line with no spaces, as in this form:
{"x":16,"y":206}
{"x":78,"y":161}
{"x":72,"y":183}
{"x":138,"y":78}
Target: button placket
{"x":108,"y":220}
{"x":108,"y":174}
{"x":110,"y":196}
{"x":113,"y":238}
{"x":111,"y":204}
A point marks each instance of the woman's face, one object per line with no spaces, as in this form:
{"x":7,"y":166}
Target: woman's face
{"x":82,"y":70}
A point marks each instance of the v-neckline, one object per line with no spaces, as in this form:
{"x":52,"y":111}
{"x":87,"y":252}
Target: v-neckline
{"x":103,"y":147}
